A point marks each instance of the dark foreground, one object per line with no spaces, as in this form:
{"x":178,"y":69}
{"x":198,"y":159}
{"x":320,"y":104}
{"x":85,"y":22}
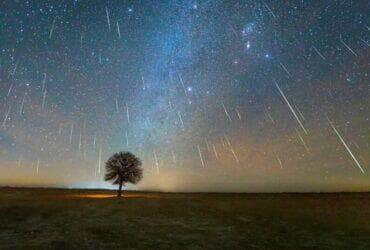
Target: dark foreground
{"x":80,"y":219}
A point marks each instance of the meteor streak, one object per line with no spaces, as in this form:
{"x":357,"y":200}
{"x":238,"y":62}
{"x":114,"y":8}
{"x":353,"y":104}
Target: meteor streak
{"x":180,"y":118}
{"x":345,"y":145}
{"x":6,"y":117}
{"x":290,"y":107}
{"x":318,"y":52}
{"x":80,"y":141}
{"x":156,"y":161}
{"x":269,"y":115}
{"x":279,"y":161}
{"x":285,"y":69}
{"x":118,"y":30}
{"x":22,"y":104}
{"x":43,"y":100}
{"x":231,"y":149}
{"x":37,"y":166}
{"x":238,"y":114}
{"x":215,"y":151}
{"x":200,"y":156}
{"x":108,"y":20}
{"x":99,"y":161}
{"x":10,"y":90}
{"x":349,"y":48}
{"x":117,"y":105}
{"x":227,"y":113}
{"x":183,"y":85}
{"x":267,"y":7}
{"x":303,"y":142}
{"x":71,"y":134}
{"x":173,"y":156}
{"x":126,"y":138}
{"x":128,"y":115}
{"x":52,"y":29}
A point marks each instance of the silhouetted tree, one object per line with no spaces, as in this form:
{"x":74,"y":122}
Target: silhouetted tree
{"x":123,"y":167}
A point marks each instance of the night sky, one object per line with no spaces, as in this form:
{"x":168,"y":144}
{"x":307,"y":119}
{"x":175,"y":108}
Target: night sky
{"x":211,"y":95}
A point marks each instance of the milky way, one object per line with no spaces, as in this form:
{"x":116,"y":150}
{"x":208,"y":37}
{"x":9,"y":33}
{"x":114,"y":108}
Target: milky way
{"x":211,"y":95}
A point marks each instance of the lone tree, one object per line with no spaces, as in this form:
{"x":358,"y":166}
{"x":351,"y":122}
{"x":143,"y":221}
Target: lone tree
{"x":123,"y":167}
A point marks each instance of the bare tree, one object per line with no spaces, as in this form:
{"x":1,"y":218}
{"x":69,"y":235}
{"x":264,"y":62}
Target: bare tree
{"x":122,"y":168}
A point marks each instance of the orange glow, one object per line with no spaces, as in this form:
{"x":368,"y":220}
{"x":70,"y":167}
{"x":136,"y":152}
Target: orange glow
{"x":105,"y":196}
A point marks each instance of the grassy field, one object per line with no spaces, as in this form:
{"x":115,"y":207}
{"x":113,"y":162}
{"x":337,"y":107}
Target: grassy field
{"x":90,"y":219}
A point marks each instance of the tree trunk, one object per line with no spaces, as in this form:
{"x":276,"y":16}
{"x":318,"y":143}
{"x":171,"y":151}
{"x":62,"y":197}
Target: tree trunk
{"x":120,"y":189}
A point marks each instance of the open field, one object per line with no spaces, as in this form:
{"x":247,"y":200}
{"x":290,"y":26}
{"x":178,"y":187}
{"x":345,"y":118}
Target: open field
{"x":90,"y":219}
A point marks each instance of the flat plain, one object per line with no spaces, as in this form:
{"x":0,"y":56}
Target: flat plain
{"x":41,"y":218}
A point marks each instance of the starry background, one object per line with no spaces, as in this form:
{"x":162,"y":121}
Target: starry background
{"x":212,"y":95}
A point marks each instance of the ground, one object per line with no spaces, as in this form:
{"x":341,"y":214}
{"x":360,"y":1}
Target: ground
{"x":95,"y":219}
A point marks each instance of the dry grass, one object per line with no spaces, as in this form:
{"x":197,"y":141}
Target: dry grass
{"x":81,"y":219}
